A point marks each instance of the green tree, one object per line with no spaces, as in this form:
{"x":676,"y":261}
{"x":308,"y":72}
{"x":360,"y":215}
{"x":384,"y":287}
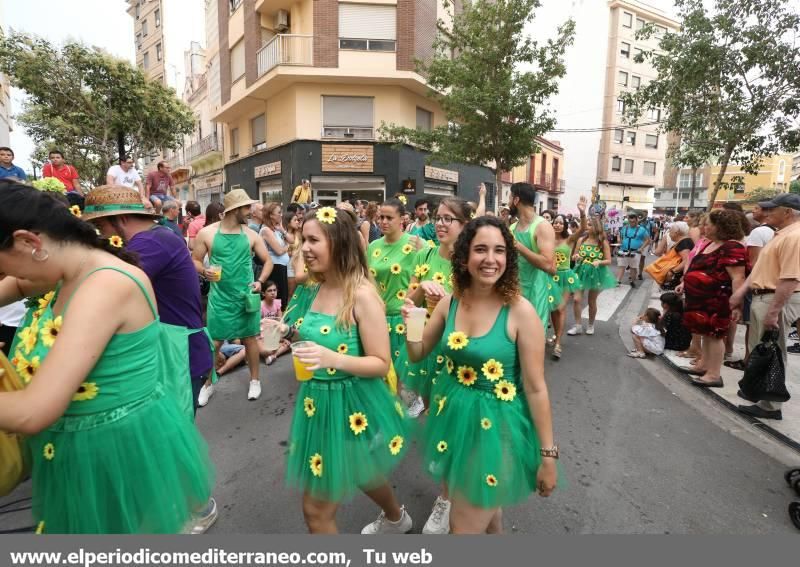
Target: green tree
{"x":794,"y":186}
{"x":492,"y":81}
{"x":90,"y":104}
{"x":726,"y":82}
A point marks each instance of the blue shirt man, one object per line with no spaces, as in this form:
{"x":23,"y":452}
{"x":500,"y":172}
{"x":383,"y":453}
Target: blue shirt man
{"x":7,"y":167}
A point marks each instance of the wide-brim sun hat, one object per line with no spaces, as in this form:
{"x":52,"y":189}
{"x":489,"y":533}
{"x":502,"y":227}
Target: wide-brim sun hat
{"x":237,"y":199}
{"x":114,"y":200}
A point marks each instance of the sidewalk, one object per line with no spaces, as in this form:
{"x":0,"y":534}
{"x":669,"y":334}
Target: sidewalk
{"x":788,"y":429}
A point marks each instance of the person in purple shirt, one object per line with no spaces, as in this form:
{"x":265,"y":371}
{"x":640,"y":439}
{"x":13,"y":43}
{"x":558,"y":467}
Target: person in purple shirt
{"x":164,"y":257}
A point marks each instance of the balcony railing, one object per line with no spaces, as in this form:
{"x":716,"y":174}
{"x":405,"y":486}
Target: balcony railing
{"x":542,"y":181}
{"x":285,"y":49}
{"x":202,"y":147}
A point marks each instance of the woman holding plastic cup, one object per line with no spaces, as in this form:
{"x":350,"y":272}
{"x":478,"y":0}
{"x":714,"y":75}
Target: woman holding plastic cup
{"x":348,"y":431}
{"x":432,"y":280}
{"x":490,"y":435}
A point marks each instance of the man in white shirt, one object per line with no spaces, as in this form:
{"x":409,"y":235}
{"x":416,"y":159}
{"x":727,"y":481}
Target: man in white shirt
{"x":125,"y":174}
{"x":10,"y":317}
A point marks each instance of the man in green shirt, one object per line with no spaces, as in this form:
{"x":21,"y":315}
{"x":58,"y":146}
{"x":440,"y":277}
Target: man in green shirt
{"x":422,"y":227}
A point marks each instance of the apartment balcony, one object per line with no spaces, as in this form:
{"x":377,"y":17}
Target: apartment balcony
{"x":203,"y":148}
{"x":285,"y":49}
{"x":175,"y":158}
{"x":542,"y":182}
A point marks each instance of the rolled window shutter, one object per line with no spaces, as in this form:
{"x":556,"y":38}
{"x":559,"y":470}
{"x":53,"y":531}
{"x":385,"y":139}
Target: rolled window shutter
{"x":367,"y":21}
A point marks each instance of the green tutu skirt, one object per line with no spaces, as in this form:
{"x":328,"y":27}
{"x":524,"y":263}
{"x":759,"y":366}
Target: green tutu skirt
{"x":566,"y":281}
{"x":142,"y":468}
{"x":484,"y":448}
{"x":397,"y":336}
{"x":420,"y":376}
{"x":346,"y":435}
{"x":595,"y":278}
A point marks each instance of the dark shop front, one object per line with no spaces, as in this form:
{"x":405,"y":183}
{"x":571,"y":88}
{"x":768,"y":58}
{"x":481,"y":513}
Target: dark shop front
{"x":363,"y":170}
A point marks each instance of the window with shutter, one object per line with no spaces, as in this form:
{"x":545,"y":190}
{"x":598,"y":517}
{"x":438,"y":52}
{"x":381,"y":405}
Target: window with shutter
{"x":347,"y":117}
{"x":258,"y":132}
{"x":367,"y":27}
{"x":237,"y":61}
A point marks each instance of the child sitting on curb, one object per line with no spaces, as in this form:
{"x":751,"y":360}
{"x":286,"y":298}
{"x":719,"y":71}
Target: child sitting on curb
{"x":676,"y":336}
{"x":646,"y":336}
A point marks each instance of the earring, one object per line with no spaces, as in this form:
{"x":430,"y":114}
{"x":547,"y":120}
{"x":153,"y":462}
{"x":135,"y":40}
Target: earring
{"x":39,"y":254}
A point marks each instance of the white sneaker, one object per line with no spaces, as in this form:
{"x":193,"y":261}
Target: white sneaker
{"x":416,"y":407}
{"x":575,"y":330}
{"x":255,"y":390}
{"x":384,"y":526}
{"x":439,"y":521}
{"x":205,"y":394}
{"x":589,"y":329}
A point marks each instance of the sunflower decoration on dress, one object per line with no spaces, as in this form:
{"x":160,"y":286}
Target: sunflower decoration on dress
{"x":326,"y":215}
{"x":325,"y":329}
{"x":50,"y":331}
{"x":556,"y":278}
{"x":561,"y":258}
{"x":28,"y":337}
{"x":331,"y":371}
{"x":492,"y":370}
{"x":440,"y":404}
{"x":570,"y":280}
{"x":439,"y":359}
{"x":439,"y":278}
{"x":486,"y":423}
{"x":376,"y":253}
{"x":420,"y":270}
{"x":86,"y":391}
{"x":309,"y":407}
{"x":407,"y":249}
{"x":76,"y":211}
{"x":342,"y":349}
{"x":358,"y":423}
{"x":505,"y":390}
{"x":115,"y":241}
{"x":457,"y":340}
{"x":315,"y":463}
{"x":491,"y":480}
{"x":401,"y":294}
{"x":395,"y":269}
{"x":298,"y":323}
{"x":49,"y":452}
{"x":400,"y":329}
{"x":441,"y":446}
{"x":413,"y":286}
{"x":467,"y":375}
{"x":396,"y":444}
{"x":27,"y":368}
{"x":450,"y":365}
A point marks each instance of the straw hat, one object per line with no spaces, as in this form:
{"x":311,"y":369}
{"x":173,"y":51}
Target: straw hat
{"x":237,"y":199}
{"x":113,"y":200}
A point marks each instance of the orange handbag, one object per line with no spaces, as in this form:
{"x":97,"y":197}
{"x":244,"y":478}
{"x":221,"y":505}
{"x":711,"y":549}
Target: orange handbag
{"x":13,"y":466}
{"x":659,"y":269}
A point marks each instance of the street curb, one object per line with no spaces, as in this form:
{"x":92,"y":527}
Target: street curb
{"x":708,"y":392}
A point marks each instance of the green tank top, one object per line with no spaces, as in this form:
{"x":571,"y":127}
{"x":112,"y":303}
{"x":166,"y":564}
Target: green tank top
{"x":391,"y":265}
{"x":488,"y":363}
{"x":534,"y":283}
{"x":562,"y":256}
{"x":127,"y":374}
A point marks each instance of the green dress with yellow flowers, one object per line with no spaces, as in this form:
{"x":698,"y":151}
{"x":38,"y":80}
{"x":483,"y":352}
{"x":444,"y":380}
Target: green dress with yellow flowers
{"x":592,"y":277}
{"x":421,"y":376}
{"x":391,"y":266}
{"x":123,"y":458}
{"x":479,"y":437}
{"x":347,"y":432}
{"x":565,"y":279}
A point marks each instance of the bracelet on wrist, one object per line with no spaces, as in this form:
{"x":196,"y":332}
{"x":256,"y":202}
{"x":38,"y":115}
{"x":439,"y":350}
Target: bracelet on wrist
{"x":551,"y":452}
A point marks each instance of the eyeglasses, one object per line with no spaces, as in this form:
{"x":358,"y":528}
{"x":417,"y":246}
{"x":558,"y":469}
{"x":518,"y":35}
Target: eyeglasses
{"x":446,"y":220}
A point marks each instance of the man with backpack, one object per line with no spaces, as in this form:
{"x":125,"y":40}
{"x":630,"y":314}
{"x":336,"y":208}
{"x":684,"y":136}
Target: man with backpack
{"x":634,"y":240}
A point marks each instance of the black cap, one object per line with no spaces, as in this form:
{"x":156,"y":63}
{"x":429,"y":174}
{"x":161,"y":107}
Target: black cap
{"x":790,"y":200}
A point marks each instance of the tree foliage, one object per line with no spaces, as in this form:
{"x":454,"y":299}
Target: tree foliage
{"x":492,"y":81}
{"x":727,"y":83}
{"x":83,"y":100}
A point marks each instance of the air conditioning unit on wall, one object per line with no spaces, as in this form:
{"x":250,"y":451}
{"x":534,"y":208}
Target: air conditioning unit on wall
{"x":281,"y":21}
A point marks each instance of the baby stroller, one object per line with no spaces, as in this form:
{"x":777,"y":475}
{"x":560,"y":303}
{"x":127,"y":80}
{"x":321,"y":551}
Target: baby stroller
{"x":792,"y":477}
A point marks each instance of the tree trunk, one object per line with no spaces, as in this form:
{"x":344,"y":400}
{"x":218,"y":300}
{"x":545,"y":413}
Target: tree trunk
{"x":718,"y":181}
{"x":121,"y":144}
{"x":691,"y":191}
{"x":498,"y":190}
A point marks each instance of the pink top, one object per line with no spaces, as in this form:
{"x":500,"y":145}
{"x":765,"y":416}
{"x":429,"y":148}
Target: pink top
{"x":274,"y":311}
{"x":698,"y":246}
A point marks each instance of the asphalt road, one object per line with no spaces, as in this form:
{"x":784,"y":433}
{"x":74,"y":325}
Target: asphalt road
{"x":641,"y":453}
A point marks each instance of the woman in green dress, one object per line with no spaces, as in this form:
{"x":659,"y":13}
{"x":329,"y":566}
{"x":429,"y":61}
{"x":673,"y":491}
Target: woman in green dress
{"x":391,"y":261}
{"x":348,"y":431}
{"x":565,"y":281}
{"x":489,"y":437}
{"x":111,"y":450}
{"x":592,"y":258}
